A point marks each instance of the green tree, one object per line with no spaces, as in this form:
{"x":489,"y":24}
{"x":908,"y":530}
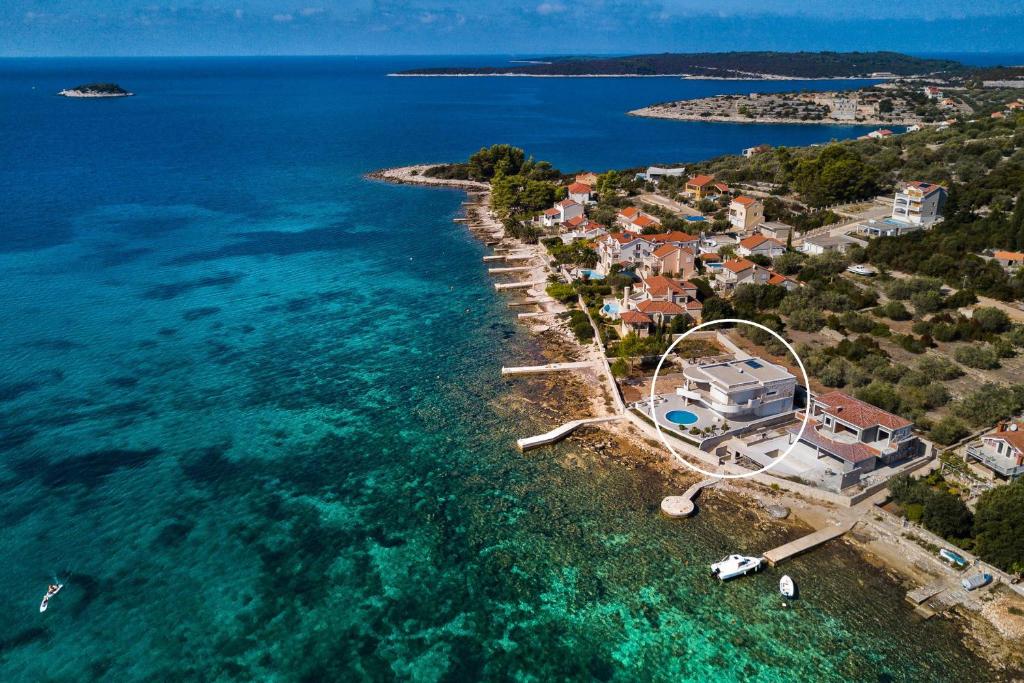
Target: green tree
{"x":997,"y":526}
{"x":946,"y":515}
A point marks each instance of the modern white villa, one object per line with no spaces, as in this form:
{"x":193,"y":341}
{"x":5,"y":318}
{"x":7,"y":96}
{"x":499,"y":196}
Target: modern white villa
{"x":1001,"y":451}
{"x":919,"y":203}
{"x":741,"y":388}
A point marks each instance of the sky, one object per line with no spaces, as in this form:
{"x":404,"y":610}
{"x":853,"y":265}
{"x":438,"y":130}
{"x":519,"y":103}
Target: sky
{"x":366,"y":27}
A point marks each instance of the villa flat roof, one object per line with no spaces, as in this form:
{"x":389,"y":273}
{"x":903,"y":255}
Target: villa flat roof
{"x":736,"y":373}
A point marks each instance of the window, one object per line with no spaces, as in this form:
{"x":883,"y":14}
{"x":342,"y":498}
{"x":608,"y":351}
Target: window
{"x":883,"y":435}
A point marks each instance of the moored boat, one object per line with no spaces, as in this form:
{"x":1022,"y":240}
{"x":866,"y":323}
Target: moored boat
{"x":52,"y":590}
{"x":735,"y":565}
{"x":976,"y":581}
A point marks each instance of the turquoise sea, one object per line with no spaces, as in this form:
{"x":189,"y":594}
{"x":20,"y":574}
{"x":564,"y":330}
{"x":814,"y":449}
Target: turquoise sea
{"x":251,"y":415}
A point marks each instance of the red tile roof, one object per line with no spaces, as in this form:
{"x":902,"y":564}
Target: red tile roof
{"x":745,"y":200}
{"x":642,"y":221}
{"x":755,"y":241}
{"x":629,"y":212}
{"x":579,"y":188}
{"x":659,"y":285}
{"x":1014,"y":438}
{"x":665,"y":250}
{"x":551,"y":212}
{"x":738,"y":265}
{"x":859,"y":413}
{"x":575,"y":221}
{"x":710,"y":257}
{"x":721,"y":187}
{"x":635,"y":318}
{"x":700,"y":180}
{"x":674,"y":236}
{"x":925,"y":188}
{"x":1010,"y":255}
{"x":777,"y":279}
{"x":566,"y":203}
{"x":663,"y":307}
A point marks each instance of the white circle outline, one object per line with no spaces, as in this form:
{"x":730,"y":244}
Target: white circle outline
{"x":773,"y":463}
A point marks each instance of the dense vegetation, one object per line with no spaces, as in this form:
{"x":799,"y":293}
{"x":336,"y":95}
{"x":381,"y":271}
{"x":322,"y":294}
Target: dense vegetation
{"x":993,"y":531}
{"x":101,"y":88}
{"x":722,"y":64}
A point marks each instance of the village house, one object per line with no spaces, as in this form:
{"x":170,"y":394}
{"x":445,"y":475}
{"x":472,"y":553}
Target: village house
{"x":761,"y":246}
{"x":718,"y":189}
{"x":754,"y":151}
{"x":919,"y":203}
{"x":657,"y":301}
{"x":634,"y":220}
{"x":745,"y":213}
{"x":776,"y":230}
{"x":629,"y":250}
{"x":587,"y":178}
{"x":581,"y":228}
{"x":635,"y":322}
{"x":561,"y":212}
{"x":739,"y":389}
{"x":699,"y":186}
{"x":932,"y":93}
{"x":787,"y":283}
{"x":856,"y":436}
{"x":821,"y":244}
{"x":1009,"y":259}
{"x":669,"y":259}
{"x":737,"y":272}
{"x":1000,"y":451}
{"x":880,"y":134}
{"x":654,"y":174}
{"x":581,"y":193}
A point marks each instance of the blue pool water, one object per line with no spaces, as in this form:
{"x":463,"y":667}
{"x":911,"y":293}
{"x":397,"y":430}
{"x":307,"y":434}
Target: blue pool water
{"x":592,"y":274}
{"x":611,"y":308}
{"x":681,"y":417}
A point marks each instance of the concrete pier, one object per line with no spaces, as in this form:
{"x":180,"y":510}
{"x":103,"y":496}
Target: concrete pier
{"x":682,"y":506}
{"x":800,"y":545}
{"x":532,"y":302}
{"x":500,"y":286}
{"x":537,"y":314}
{"x":507,"y":257}
{"x":550,"y":367}
{"x":559,"y":433}
{"x":509,"y":269}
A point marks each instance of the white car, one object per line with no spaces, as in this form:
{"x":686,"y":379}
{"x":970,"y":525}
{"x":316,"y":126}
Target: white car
{"x":861,"y":269}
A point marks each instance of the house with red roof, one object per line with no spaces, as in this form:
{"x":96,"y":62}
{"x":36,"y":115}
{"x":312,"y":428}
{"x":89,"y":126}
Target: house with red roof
{"x":629,"y":250}
{"x":1009,"y":259}
{"x":581,"y":228}
{"x":880,"y":134}
{"x":661,"y":299}
{"x":669,"y":259}
{"x":1000,"y":451}
{"x":699,"y":186}
{"x":560,"y":213}
{"x":857,"y":435}
{"x":787,"y":283}
{"x":587,"y":178}
{"x":580,"y":192}
{"x":761,"y":246}
{"x":736,"y":272}
{"x":919,"y":203}
{"x":635,"y":322}
{"x":632,"y":219}
{"x":745,"y":213}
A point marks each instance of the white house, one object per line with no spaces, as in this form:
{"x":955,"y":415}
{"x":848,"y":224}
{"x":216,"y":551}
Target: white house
{"x":633,"y":219}
{"x":1001,"y":451}
{"x":754,"y":151}
{"x":821,"y":244}
{"x":631,"y":250}
{"x":745,"y":213}
{"x":656,"y":173}
{"x":761,"y":245}
{"x":580,"y":193}
{"x":739,"y":389}
{"x":561,"y":212}
{"x":880,"y":134}
{"x":919,"y":203}
{"x":737,"y":272}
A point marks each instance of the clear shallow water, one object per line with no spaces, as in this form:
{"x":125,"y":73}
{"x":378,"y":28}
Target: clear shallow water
{"x":250,"y":408}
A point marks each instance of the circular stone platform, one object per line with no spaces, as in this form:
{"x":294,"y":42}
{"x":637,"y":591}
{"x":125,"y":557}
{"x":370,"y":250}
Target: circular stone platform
{"x":677,"y":506}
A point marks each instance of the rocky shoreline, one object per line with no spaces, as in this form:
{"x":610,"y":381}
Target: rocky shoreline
{"x":579,"y":395}
{"x":668,"y":113}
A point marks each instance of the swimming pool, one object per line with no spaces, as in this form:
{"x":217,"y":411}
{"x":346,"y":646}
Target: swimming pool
{"x":681,"y":417}
{"x":610,"y":308}
{"x":591,"y":274}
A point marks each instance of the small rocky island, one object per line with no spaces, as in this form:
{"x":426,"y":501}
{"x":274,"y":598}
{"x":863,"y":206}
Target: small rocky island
{"x":96,"y":90}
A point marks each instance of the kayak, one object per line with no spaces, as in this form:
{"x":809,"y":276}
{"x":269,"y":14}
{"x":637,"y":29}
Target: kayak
{"x":46,"y":598}
{"x":786,"y":587}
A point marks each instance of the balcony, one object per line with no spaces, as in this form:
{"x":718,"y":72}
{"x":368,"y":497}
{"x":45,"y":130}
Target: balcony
{"x":999,"y":464}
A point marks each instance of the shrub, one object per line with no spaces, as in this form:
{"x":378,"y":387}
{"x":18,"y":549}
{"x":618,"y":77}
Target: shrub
{"x":807,"y":320}
{"x":948,"y":430}
{"x":991,"y":319}
{"x":997,"y":525}
{"x":939,"y":368}
{"x":894,"y":310}
{"x":976,"y":356}
{"x":561,"y":291}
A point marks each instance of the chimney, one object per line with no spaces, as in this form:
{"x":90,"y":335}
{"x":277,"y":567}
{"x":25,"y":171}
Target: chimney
{"x":625,"y":296}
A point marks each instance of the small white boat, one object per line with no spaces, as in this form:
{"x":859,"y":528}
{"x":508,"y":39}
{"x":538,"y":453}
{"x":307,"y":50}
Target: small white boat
{"x":53,"y":590}
{"x":786,"y":587}
{"x":735,"y":565}
{"x":977,"y":581}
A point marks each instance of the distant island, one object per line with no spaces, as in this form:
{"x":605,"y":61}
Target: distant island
{"x":96,"y":90}
{"x":718,"y":65}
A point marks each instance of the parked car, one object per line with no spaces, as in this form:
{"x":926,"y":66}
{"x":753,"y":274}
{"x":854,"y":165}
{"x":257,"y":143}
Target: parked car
{"x":861,"y":269}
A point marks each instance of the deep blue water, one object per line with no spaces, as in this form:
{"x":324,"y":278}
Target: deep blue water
{"x":250,"y":409}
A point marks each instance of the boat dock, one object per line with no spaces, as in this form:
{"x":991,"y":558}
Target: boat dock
{"x":508,"y":257}
{"x":800,"y":545}
{"x":509,"y":269}
{"x":519,"y":285}
{"x":550,"y":367}
{"x":536,"y":314}
{"x":532,"y":302}
{"x":560,"y":432}
{"x":682,"y":506}
{"x":923,"y":593}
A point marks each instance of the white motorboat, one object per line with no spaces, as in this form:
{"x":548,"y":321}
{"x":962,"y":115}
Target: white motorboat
{"x":786,"y":587}
{"x":735,"y":565}
{"x":51,"y":591}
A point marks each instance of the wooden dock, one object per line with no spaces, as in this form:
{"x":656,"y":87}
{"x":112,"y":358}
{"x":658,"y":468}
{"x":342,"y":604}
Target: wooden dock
{"x":550,"y":367}
{"x":682,"y":506}
{"x":560,"y":432}
{"x":800,"y":545}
